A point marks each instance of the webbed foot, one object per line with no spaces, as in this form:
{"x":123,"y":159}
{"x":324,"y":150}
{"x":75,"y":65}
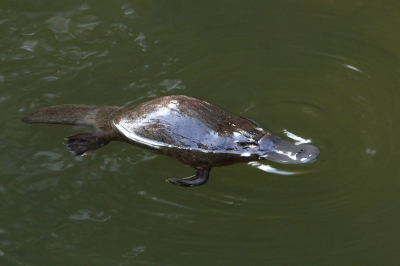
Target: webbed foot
{"x":200,"y":178}
{"x":84,"y":143}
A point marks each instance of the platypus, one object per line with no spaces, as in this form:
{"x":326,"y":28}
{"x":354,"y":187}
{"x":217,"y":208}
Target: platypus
{"x":193,"y":131}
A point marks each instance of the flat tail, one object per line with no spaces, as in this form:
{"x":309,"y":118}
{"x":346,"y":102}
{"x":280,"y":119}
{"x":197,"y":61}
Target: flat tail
{"x":70,"y":114}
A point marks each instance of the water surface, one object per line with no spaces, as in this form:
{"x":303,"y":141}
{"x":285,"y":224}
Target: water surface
{"x":325,"y":71}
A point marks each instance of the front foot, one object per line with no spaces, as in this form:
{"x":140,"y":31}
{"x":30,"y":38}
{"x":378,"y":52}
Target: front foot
{"x":200,"y":178}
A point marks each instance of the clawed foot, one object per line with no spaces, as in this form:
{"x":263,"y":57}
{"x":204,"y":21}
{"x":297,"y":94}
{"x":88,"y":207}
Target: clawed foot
{"x":200,"y":178}
{"x":84,"y":143}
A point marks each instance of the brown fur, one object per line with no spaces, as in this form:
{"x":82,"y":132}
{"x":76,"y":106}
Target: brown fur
{"x":72,"y":114}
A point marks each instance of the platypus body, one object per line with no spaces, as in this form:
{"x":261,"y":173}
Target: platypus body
{"x":194,"y":132}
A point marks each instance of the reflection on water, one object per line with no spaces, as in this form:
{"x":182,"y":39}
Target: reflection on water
{"x":86,"y":215}
{"x":327,"y":70}
{"x":154,"y":198}
{"x":269,"y":169}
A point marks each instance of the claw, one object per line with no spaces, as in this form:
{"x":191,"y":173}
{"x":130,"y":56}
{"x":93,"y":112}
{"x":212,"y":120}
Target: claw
{"x":200,"y":178}
{"x":84,"y":143}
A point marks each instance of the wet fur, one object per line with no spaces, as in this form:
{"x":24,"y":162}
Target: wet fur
{"x":73,"y":114}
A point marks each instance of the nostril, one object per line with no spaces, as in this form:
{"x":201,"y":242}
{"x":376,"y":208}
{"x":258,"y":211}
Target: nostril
{"x":300,"y":151}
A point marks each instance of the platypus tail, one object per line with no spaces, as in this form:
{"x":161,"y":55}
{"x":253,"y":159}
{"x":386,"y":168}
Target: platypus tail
{"x":78,"y":115}
{"x":71,"y":114}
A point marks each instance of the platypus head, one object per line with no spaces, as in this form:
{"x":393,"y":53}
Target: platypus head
{"x":282,"y":151}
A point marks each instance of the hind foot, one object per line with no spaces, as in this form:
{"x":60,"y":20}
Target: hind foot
{"x":85,"y":143}
{"x":200,"y":178}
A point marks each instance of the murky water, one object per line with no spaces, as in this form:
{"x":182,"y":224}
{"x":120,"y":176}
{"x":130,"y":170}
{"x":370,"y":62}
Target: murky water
{"x":328,"y":71}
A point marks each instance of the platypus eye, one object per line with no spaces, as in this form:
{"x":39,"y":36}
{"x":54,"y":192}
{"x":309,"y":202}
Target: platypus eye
{"x":250,"y":145}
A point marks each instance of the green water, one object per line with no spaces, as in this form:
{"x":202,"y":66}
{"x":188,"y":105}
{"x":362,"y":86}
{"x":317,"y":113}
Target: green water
{"x":328,"y":71}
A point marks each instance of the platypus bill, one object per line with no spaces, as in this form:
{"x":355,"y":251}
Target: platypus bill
{"x":194,"y":132}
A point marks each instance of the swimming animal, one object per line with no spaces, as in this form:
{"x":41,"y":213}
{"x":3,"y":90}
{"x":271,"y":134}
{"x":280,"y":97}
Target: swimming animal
{"x":194,"y":132}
